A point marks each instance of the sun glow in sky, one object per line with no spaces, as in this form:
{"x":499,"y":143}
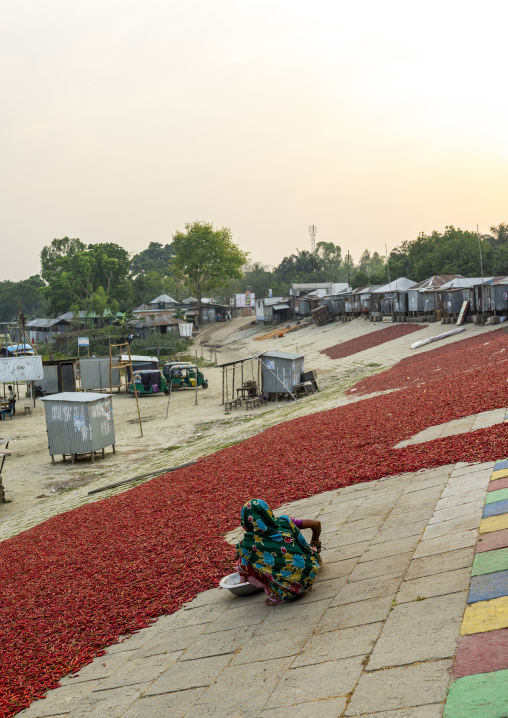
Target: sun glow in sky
{"x":120,"y":121}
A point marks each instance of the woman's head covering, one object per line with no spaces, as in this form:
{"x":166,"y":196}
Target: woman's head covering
{"x":276,"y":549}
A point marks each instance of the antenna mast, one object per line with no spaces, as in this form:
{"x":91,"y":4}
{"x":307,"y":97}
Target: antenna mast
{"x":312,"y":232}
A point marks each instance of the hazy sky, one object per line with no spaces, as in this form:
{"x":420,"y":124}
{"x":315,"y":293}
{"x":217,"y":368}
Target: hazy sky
{"x":120,"y":121}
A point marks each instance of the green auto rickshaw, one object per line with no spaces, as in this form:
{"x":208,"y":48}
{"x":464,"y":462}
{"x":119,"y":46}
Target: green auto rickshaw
{"x":148,"y":381}
{"x":182,"y":375}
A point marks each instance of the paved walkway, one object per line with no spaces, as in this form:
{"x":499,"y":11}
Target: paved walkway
{"x":376,"y":636}
{"x":458,"y":426}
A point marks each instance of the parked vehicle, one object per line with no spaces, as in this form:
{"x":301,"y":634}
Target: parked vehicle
{"x":148,"y":381}
{"x":183,"y":375}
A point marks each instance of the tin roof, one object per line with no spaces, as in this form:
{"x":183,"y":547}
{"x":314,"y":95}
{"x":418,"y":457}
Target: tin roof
{"x":163,"y":298}
{"x":437,"y":280}
{"x":402,"y":284}
{"x":81,"y":397}
{"x":466,"y":282}
{"x":282,"y":355}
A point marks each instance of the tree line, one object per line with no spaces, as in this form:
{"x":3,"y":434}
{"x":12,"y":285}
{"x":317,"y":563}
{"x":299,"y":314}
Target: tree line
{"x":203,"y":261}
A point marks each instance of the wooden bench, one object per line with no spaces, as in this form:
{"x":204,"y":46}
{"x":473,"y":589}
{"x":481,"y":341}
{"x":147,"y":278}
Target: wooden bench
{"x":253,"y":403}
{"x":233,"y":404}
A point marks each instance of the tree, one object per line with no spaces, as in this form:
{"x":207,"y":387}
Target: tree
{"x":28,"y":292}
{"x":205,"y":257}
{"x":330,"y":257}
{"x":74,"y":272}
{"x":155,"y":258}
{"x":500,"y":233}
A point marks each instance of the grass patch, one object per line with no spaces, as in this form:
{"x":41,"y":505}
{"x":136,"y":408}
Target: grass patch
{"x":171,"y":448}
{"x":373,"y":363}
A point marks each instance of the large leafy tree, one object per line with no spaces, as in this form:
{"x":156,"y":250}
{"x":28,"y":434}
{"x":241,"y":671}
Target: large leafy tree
{"x":155,"y":258}
{"x":28,"y":293}
{"x":73,"y":272}
{"x":205,"y":257}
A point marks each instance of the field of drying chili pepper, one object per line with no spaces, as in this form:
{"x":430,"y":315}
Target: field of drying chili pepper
{"x":75,"y":583}
{"x":373,"y":339}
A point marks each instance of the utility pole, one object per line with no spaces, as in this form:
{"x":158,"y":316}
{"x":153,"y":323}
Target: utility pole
{"x":348,"y":271}
{"x":481,"y":270}
{"x":312,"y":231}
{"x":389,"y":280}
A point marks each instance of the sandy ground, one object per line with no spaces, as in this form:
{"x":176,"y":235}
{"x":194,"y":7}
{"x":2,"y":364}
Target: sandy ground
{"x":29,"y":477}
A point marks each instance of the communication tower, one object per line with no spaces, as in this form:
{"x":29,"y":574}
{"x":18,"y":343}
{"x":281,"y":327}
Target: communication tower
{"x":312,"y":232}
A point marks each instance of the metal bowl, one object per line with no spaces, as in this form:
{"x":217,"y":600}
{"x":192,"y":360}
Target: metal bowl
{"x":233,"y":584}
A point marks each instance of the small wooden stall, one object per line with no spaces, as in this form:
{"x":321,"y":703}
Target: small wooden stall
{"x":241,"y":381}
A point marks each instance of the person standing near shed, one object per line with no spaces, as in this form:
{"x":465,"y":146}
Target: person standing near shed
{"x":12,"y":398}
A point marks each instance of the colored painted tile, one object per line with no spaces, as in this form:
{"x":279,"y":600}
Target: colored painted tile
{"x":498,"y":495}
{"x":484,"y":695}
{"x":485,"y":616}
{"x":492,"y":541}
{"x":491,"y":585}
{"x":494,"y":523}
{"x":490,"y":562}
{"x":496,"y":508}
{"x":501,"y":464}
{"x":482,"y":653}
{"x":498,"y":484}
{"x":501,"y":474}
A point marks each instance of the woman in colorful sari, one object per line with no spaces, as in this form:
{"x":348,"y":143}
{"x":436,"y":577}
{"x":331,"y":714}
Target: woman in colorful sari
{"x":274,"y":554}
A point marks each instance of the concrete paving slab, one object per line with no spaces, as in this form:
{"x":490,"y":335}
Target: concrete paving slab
{"x":440,"y":563}
{"x":163,"y":642}
{"x":346,"y":536}
{"x":390,"y":548}
{"x":305,"y":612}
{"x":60,"y":702}
{"x":331,"y":708}
{"x":492,"y":541}
{"x":250,"y":615}
{"x":130,"y":643}
{"x":461,"y":498}
{"x":166,"y":705}
{"x":218,"y":643}
{"x":485,"y":616}
{"x":494,"y":523}
{"x":317,"y":682}
{"x":490,"y":562}
{"x":481,"y":696}
{"x":497,"y":494}
{"x":438,"y":584}
{"x":420,"y":631}
{"x":482,"y":653}
{"x":384,"y":567}
{"x":402,"y":518}
{"x":397,"y":688}
{"x":498,"y":484}
{"x":491,"y":585}
{"x":400,"y":532}
{"x":459,"y":511}
{"x":445,"y":528}
{"x":230,"y":706}
{"x":429,"y":711}
{"x":248,"y":680}
{"x":343,"y":552}
{"x":355,"y":614}
{"x":98,"y":669}
{"x":203,"y":614}
{"x":108,"y":704}
{"x":496,"y":508}
{"x":189,"y":674}
{"x":432,"y":547}
{"x":335,"y":570}
{"x":139,"y":670}
{"x":276,"y":644}
{"x":331,"y":646}
{"x":370,"y":588}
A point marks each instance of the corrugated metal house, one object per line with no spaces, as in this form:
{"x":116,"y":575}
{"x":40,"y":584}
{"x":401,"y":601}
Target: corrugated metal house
{"x":391,"y":298}
{"x":492,"y":297}
{"x":273,"y":309}
{"x":281,"y":371}
{"x":458,"y":291}
{"x":79,"y":423}
{"x":425,"y":297}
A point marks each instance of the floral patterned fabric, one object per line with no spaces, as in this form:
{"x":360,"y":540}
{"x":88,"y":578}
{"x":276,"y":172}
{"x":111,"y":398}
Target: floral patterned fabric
{"x":276,"y":551}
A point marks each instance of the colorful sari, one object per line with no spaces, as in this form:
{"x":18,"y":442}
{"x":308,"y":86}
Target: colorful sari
{"x":274,"y":555}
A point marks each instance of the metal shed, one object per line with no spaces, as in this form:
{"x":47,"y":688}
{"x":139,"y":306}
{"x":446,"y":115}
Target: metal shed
{"x":281,"y":371}
{"x":94,"y":373}
{"x":59,"y":375}
{"x":492,"y":297}
{"x":79,"y":423}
